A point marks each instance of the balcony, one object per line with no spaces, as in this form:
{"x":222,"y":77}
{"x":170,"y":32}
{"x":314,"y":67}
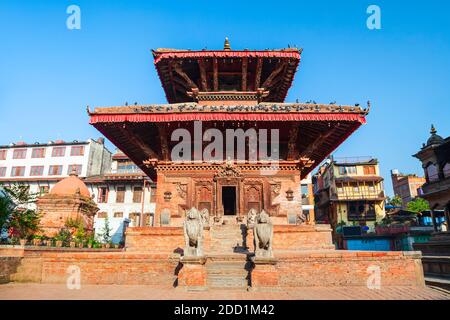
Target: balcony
{"x":364,"y":195}
{"x":131,"y":170}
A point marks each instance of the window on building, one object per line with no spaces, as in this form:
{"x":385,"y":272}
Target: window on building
{"x":153,"y":194}
{"x":120,"y":194}
{"x":102,"y":195}
{"x":432,"y":172}
{"x":356,"y":188}
{"x":3,"y":154}
{"x":20,"y":154}
{"x":102,"y":215}
{"x":340,"y":189}
{"x":347,"y":170}
{"x":55,"y":170}
{"x":38,"y":153}
{"x":36,"y":170}
{"x":371,"y":188}
{"x":118,"y":214}
{"x":2,"y":171}
{"x":58,"y":151}
{"x":446,"y":170}
{"x":137,"y":194}
{"x":43,"y":189}
{"x":369,"y":170}
{"x":17,"y":171}
{"x":135,"y":218}
{"x":76,"y":167}
{"x":77,"y":151}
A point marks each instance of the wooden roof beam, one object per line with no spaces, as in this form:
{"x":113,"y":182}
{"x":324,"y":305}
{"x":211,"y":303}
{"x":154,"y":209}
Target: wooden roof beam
{"x":202,"y":67}
{"x":259,"y":64}
{"x":131,"y":136}
{"x":215,"y":74}
{"x":274,"y":73}
{"x":317,"y":143}
{"x":177,"y":68}
{"x":244,"y":73}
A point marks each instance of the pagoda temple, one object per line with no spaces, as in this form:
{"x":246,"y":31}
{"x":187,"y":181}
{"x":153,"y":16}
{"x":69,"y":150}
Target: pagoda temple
{"x":222,"y":90}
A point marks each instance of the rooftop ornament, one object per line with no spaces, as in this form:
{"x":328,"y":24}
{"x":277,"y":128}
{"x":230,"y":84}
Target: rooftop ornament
{"x":226,"y":45}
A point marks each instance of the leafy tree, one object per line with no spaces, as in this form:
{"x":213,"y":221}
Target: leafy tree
{"x":15,"y":215}
{"x":418,"y":205}
{"x":395,"y":201}
{"x":106,"y":232}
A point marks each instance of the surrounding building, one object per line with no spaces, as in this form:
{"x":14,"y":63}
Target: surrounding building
{"x":307,"y":197}
{"x":122,"y":193}
{"x":349,"y":191}
{"x":435,"y":158}
{"x":42,"y":165}
{"x":406,"y":186}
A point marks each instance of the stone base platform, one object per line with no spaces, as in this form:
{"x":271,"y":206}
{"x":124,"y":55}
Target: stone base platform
{"x":292,"y":269}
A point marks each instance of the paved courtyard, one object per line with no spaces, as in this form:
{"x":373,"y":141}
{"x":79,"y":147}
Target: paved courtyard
{"x":12,"y":291}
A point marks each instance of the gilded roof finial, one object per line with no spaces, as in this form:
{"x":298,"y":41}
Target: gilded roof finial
{"x":433,"y":130}
{"x":226,"y":45}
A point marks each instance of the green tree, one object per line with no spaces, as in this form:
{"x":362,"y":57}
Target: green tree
{"x":418,"y":205}
{"x":395,"y":201}
{"x":106,"y":232}
{"x":15,"y":215}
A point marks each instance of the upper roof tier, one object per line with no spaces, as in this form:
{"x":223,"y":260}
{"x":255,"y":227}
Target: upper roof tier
{"x":262,"y":75}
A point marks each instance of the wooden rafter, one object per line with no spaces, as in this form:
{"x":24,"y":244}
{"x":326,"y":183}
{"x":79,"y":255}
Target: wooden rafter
{"x":274,"y":73}
{"x":202,"y":67}
{"x":259,"y":64}
{"x":292,"y":143}
{"x":172,"y":82}
{"x":132,"y":136}
{"x":215,"y":74}
{"x":244,"y":73}
{"x":317,"y":143}
{"x":177,"y":68}
{"x":163,"y":141}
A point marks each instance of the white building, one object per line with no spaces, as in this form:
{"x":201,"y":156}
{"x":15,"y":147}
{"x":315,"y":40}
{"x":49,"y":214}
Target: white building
{"x":122,"y":194}
{"x":42,"y":165}
{"x":307,"y":196}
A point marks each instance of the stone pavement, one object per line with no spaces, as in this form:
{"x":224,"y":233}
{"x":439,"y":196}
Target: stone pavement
{"x":13,"y":291}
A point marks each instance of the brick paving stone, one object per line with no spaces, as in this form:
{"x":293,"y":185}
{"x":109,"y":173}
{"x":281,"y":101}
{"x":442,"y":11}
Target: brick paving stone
{"x":35,"y":291}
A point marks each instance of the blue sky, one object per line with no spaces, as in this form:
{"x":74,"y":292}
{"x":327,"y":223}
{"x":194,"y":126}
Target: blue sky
{"x":48,"y":74}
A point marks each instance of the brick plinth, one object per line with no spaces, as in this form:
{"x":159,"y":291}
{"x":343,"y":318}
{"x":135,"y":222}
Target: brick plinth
{"x":192,"y":275}
{"x":159,"y":239}
{"x":264,"y":274}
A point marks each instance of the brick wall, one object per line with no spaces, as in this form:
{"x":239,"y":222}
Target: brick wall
{"x":8,"y":266}
{"x":349,"y":268}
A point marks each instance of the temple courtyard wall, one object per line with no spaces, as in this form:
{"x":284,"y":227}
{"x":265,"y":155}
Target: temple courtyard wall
{"x":153,"y":256}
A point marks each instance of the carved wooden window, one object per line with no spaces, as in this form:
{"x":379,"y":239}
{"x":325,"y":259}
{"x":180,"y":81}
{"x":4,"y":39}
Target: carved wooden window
{"x":153,"y":194}
{"x":120,"y":194}
{"x":102,"y":215}
{"x":118,"y":214}
{"x":102,"y":195}
{"x":137,"y":194}
{"x":369,"y":170}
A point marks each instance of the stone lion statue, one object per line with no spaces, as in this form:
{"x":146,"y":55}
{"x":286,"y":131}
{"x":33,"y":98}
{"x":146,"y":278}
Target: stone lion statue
{"x":263,"y":235}
{"x":193,"y":233}
{"x":251,"y":216}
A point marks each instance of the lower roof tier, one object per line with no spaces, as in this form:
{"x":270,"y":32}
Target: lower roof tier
{"x":307,"y":132}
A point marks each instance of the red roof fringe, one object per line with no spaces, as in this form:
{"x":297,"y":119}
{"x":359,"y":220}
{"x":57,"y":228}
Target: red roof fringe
{"x":226,"y":54}
{"x":174,"y":117}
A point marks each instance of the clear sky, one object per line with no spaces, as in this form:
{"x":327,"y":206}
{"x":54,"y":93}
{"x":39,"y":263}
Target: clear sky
{"x":49,"y":74}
